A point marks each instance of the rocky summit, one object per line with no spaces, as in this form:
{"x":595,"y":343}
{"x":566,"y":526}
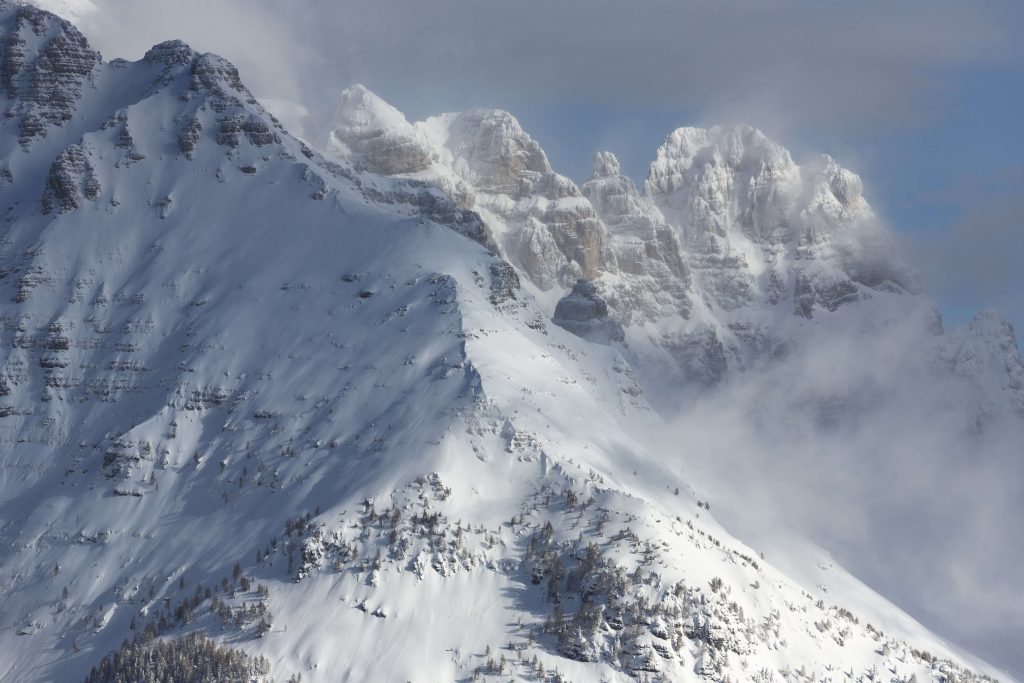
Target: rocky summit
{"x":380,"y":406}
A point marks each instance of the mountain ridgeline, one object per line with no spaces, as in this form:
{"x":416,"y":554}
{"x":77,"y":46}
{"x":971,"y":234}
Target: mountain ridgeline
{"x":375,"y":406}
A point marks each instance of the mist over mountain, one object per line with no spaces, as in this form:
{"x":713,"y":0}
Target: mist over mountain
{"x":396,"y":400}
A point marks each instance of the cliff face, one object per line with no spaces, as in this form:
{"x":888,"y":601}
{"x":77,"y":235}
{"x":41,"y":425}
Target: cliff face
{"x":284,"y":397}
{"x":711,"y":269}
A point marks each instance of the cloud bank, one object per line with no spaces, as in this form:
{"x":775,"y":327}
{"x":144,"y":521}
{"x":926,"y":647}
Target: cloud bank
{"x":800,"y":62}
{"x":862,"y":446}
{"x":980,"y":255}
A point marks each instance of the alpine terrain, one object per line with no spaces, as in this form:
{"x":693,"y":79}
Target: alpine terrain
{"x":384,"y":405}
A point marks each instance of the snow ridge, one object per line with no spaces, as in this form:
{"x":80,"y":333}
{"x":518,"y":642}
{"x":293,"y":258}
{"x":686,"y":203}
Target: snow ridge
{"x":397,"y":391}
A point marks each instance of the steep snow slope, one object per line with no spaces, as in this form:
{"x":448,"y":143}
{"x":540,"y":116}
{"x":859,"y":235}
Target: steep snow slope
{"x":732,"y":257}
{"x":313,"y":412}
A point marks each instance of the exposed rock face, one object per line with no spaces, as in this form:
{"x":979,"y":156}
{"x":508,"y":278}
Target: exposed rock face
{"x":254,"y":128}
{"x":724,"y":180}
{"x":549,"y":230}
{"x":188,"y":138}
{"x":986,"y":352}
{"x":171,"y":53}
{"x":504,"y":282}
{"x":72,"y":179}
{"x":759,"y":229}
{"x":713,"y":267}
{"x":584,"y":313}
{"x":494,"y":154}
{"x":656,"y":278}
{"x":485,"y":161}
{"x":376,"y":135}
{"x":44,"y":63}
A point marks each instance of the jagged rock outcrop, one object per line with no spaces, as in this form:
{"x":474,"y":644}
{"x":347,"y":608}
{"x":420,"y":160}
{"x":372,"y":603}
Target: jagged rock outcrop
{"x":72,"y":179}
{"x":496,"y":156}
{"x":171,"y":53}
{"x":584,"y":313}
{"x":730,"y":241}
{"x":485,"y":161}
{"x":986,"y":352}
{"x":44,"y":63}
{"x":647,"y":250}
{"x":188,"y":138}
{"x":551,"y":231}
{"x":376,"y":136}
{"x":504,"y":282}
{"x":759,"y":229}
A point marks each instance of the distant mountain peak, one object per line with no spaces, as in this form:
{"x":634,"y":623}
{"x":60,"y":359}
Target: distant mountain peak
{"x":171,"y":52}
{"x":46,"y":62}
{"x":605,"y":164}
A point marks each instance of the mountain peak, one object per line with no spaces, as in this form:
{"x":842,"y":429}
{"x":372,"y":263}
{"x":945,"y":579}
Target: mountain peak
{"x":360,"y":111}
{"x":170,"y":52}
{"x":991,"y":325}
{"x":375,"y":136}
{"x":733,"y":146}
{"x":46,"y":62}
{"x":208,"y":327}
{"x":605,"y":164}
{"x":497,"y":152}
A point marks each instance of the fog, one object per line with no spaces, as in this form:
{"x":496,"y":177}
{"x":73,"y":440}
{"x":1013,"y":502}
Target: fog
{"x":778,"y":63}
{"x":863,"y":445}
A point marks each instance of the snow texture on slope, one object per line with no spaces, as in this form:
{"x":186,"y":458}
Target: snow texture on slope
{"x":294,"y":403}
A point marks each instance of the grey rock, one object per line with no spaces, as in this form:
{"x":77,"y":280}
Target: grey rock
{"x":189,"y":136}
{"x":254,"y":128}
{"x":504,"y":282}
{"x":584,"y":313}
{"x":72,"y":179}
{"x":44,"y":63}
{"x":700,"y":355}
{"x":496,"y":153}
{"x":376,"y":137}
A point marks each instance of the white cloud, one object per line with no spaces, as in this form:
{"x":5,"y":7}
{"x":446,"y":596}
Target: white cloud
{"x":861,"y":445}
{"x":72,"y":10}
{"x":799,"y":62}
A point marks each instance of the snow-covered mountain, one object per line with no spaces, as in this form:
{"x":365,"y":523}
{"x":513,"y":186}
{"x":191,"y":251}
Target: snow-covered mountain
{"x":382,"y":412}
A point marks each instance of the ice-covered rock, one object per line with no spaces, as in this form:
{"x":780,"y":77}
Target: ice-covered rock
{"x":730,"y":241}
{"x":487,"y":163}
{"x":494,"y":154}
{"x":760,"y":229}
{"x":654,"y":276}
{"x":376,"y":136}
{"x":986,"y":352}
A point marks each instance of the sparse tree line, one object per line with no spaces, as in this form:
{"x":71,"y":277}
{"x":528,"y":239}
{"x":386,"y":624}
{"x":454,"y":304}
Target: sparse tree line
{"x":191,"y":659}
